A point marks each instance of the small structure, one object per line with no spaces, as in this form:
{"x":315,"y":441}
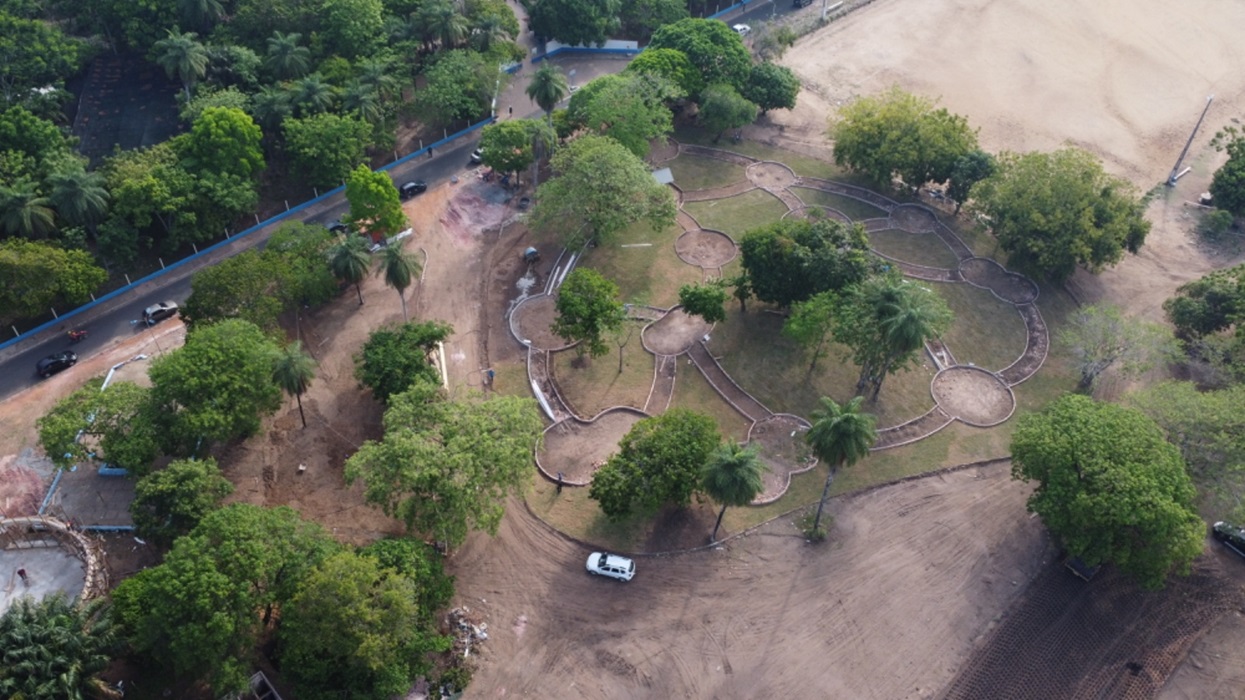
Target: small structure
{"x":663,"y":176}
{"x":531,"y":255}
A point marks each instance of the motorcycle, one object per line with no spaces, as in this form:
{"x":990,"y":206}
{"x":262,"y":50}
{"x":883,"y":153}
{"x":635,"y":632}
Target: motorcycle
{"x":77,"y":336}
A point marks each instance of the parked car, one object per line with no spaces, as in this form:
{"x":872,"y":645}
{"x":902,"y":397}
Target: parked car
{"x":337,"y":228}
{"x":56,"y":363}
{"x":802,"y":3}
{"x":412,"y":188}
{"x":611,"y":565}
{"x":1232,"y":536}
{"x":158,"y":312}
{"x":477,"y":155}
{"x":742,"y":29}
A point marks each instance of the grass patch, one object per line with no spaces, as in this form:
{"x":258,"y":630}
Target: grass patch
{"x":986,"y":332}
{"x":801,"y":163}
{"x":854,"y":208}
{"x":699,"y":173}
{"x":573,"y":513}
{"x":593,"y":385}
{"x":772,"y":368}
{"x":738,"y":214}
{"x":804,"y":489}
{"x":649,"y":274}
{"x":918,"y":248}
{"x":692,"y":391}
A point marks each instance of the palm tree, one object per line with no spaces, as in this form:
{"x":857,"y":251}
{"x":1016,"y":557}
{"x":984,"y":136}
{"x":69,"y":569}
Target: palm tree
{"x":270,"y":106}
{"x":840,"y":437}
{"x":286,"y":59}
{"x":547,"y":88}
{"x":399,"y":268}
{"x":53,"y":649}
{"x":25,"y":212}
{"x":441,"y":21}
{"x":312,"y":95}
{"x":907,"y":315}
{"x":200,"y":13}
{"x":348,"y":259}
{"x":378,"y":75}
{"x":488,"y":29}
{"x":78,"y":196}
{"x":293,"y":371}
{"x":732,"y":477}
{"x":363,"y":100}
{"x":183,"y":57}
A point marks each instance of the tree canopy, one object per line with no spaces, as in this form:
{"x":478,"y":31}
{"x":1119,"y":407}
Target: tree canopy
{"x":1101,"y":337}
{"x":575,"y":22}
{"x":671,"y":64}
{"x":898,"y":134}
{"x":224,"y":140}
{"x":588,"y":308}
{"x":1205,"y":306}
{"x":1053,"y":211}
{"x":394,"y":358}
{"x":446,"y":467}
{"x":459,"y":88}
{"x":771,"y":86}
{"x":246,"y":286}
{"x":507,"y":146}
{"x":712,"y":47}
{"x":840,"y":436}
{"x":118,"y":425}
{"x":811,"y":324}
{"x":793,"y":259}
{"x":326,"y":147}
{"x":375,"y":208}
{"x":170,"y":502}
{"x":733,"y":476}
{"x":707,"y":301}
{"x":53,"y":648}
{"x":599,"y":189}
{"x":1228,"y":185}
{"x":36,"y":276}
{"x":722,"y":108}
{"x":628,"y":107}
{"x":1109,"y":487}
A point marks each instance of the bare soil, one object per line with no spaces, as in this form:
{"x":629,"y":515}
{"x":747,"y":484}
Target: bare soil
{"x":780,"y":443}
{"x":973,"y":395}
{"x":913,"y":219}
{"x":534,"y":320}
{"x":578,"y":448}
{"x":674,"y":333}
{"x":705,"y":249}
{"x":771,"y":176}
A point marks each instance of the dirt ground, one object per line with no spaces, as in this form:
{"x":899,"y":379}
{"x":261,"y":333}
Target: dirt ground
{"x":1124,"y":82}
{"x":886,"y":609}
{"x":972,"y":395}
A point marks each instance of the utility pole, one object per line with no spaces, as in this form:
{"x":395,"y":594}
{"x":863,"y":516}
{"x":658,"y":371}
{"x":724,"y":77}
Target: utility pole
{"x":1176,"y":172}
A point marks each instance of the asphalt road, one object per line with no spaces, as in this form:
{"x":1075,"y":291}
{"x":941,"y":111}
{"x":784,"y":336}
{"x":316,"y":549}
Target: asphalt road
{"x":18,"y":371}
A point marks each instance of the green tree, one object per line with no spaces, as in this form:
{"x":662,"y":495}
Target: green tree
{"x":722,"y":108}
{"x":303,"y":253}
{"x":120,"y":421}
{"x":1228,"y":184}
{"x":182,"y":57}
{"x":1109,"y":487}
{"x":218,"y":385}
{"x":25,"y":211}
{"x":312,"y":94}
{"x":772,"y":42}
{"x":201,"y":613}
{"x":659,"y":461}
{"x":395,"y":358}
{"x":354,"y":629}
{"x":246,"y":286}
{"x":886,"y":322}
{"x":1053,"y":211}
{"x":732,"y":477}
{"x":34,"y":54}
{"x":671,"y":64}
{"x":791,"y":260}
{"x":628,"y":107}
{"x":547,"y":88}
{"x":600,"y":188}
{"x":293,"y":371}
{"x":446,"y":467}
{"x":375,"y":207}
{"x":200,"y":14}
{"x":326,"y":147}
{"x":507,"y":146}
{"x":224,"y":140}
{"x":170,"y":502}
{"x":841,"y":435}
{"x":231,"y":66}
{"x":1208,"y":305}
{"x":53,"y":649}
{"x":968,"y":170}
{"x":149,"y":186}
{"x":399,"y":269}
{"x":349,"y":261}
{"x":898,"y":134}
{"x":421,"y":563}
{"x":640,"y":18}
{"x":35,"y":276}
{"x":351,"y":28}
{"x":439,"y":21}
{"x":811,"y":325}
{"x":576,"y":22}
{"x":29,"y":146}
{"x":1101,"y":337}
{"x":588,"y":308}
{"x":79,"y":197}
{"x":707,"y":301}
{"x":716,"y":51}
{"x":459,"y":86}
{"x":771,"y":86}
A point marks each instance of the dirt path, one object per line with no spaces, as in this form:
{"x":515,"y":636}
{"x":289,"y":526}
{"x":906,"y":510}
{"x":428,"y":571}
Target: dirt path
{"x":888,"y":609}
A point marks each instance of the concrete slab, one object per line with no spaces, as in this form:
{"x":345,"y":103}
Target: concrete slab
{"x":48,"y":569}
{"x":90,"y":500}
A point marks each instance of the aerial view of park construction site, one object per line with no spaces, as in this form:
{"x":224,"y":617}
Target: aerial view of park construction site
{"x":868,"y":349}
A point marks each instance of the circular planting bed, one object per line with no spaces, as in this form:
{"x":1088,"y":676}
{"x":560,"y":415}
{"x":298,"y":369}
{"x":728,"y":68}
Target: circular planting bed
{"x":973,"y":395}
{"x":708,"y":249}
{"x":770,"y":175}
{"x":1008,"y":286}
{"x":810,"y":211}
{"x":578,"y":448}
{"x":779,"y":441}
{"x":913,"y":219}
{"x":673,"y":333}
{"x":533,"y":320}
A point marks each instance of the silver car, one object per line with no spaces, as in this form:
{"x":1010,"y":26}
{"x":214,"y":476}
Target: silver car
{"x":611,"y":565}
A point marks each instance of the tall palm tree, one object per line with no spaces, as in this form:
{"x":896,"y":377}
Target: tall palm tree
{"x":547,"y":88}
{"x":378,"y":74}
{"x":349,"y":261}
{"x":293,"y":371}
{"x":270,"y":106}
{"x":182,"y":57}
{"x":840,"y":437}
{"x":364,"y":100}
{"x":200,"y":13}
{"x":732,"y":477}
{"x":286,"y":59}
{"x":489,"y":29}
{"x":53,"y":649}
{"x":441,"y":21}
{"x":25,"y":212}
{"x":78,"y":196}
{"x":312,"y":95}
{"x":907,"y":315}
{"x":399,"y":268}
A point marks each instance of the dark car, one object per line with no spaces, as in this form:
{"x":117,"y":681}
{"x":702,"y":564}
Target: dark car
{"x":802,"y":3}
{"x":1232,"y":536}
{"x":56,"y":363}
{"x":411,"y":189}
{"x":337,"y":228}
{"x":158,"y":312}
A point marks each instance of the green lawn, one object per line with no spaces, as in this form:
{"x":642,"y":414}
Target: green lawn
{"x":801,"y":163}
{"x":736,"y":215}
{"x":854,"y":208}
{"x":594,"y":384}
{"x":698,"y":173}
{"x":645,"y":274}
{"x":692,"y":391}
{"x":918,"y":248}
{"x":986,"y":332}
